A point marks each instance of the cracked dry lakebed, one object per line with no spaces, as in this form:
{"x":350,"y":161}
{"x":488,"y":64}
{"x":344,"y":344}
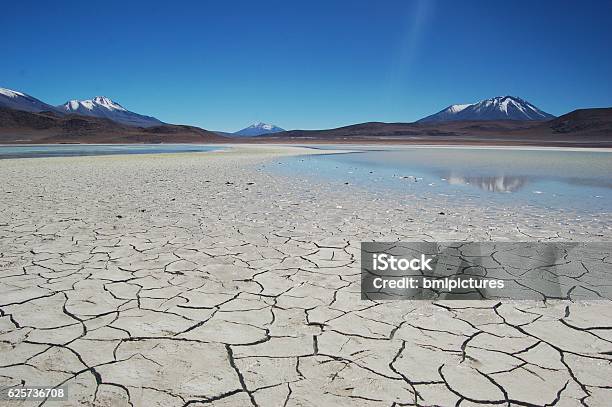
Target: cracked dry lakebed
{"x":210,"y":279}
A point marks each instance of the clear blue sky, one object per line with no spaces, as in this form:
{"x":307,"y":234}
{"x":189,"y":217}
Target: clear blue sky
{"x":223,"y":65}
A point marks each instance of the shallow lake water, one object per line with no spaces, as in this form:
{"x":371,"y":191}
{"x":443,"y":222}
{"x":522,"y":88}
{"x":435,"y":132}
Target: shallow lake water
{"x":557,"y":179}
{"x":67,"y":150}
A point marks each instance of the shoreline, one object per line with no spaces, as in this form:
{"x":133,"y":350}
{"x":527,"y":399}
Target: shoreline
{"x":316,"y":146}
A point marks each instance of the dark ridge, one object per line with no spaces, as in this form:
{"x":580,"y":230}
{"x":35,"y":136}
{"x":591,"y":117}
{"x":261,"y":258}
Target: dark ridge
{"x":17,"y":126}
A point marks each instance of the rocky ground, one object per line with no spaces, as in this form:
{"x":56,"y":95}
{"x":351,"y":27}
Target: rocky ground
{"x":205,"y":279}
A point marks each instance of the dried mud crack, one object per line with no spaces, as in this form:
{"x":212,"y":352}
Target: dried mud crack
{"x":204,"y":279}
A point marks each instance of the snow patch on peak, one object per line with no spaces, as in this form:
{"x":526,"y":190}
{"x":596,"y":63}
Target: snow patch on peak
{"x":262,"y":125}
{"x":91,"y":104}
{"x":11,"y":93}
{"x":457,"y":108}
{"x":107,"y":103}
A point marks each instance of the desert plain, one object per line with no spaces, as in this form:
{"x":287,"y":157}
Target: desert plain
{"x":208,"y":279}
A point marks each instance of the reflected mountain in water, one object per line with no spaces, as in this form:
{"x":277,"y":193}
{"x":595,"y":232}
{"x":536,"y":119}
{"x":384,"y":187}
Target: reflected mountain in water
{"x":500,"y":183}
{"x":553,"y":179}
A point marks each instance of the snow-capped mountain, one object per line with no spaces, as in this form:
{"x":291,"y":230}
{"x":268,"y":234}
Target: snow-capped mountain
{"x":13,"y":99}
{"x":258,"y":129}
{"x":104,"y":107}
{"x":497,"y":108}
{"x":99,"y":106}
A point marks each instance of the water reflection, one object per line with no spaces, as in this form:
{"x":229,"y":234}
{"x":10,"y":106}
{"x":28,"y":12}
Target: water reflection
{"x":502,"y":183}
{"x":568,"y":180}
{"x":69,"y":150}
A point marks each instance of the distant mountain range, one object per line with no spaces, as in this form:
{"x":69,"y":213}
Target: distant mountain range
{"x":503,"y":120}
{"x":258,"y":129}
{"x":25,"y":119}
{"x":580,"y":128}
{"x":497,"y":108}
{"x":101,"y":106}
